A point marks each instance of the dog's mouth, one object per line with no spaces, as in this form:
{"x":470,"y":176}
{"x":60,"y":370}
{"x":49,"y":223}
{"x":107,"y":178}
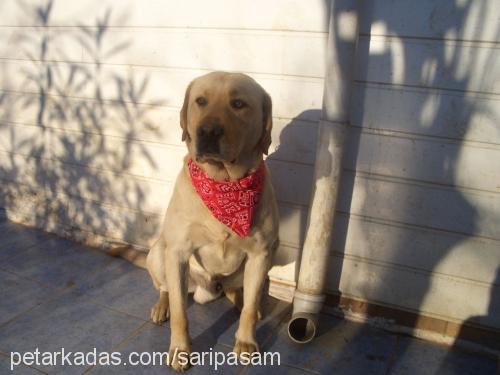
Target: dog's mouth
{"x":214,"y":158}
{"x":214,"y":153}
{"x":208,"y":157}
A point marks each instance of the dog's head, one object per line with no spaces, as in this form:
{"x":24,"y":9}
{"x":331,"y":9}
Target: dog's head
{"x":224,"y":116}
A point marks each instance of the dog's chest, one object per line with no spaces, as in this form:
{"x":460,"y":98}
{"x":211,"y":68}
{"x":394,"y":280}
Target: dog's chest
{"x":219,"y":258}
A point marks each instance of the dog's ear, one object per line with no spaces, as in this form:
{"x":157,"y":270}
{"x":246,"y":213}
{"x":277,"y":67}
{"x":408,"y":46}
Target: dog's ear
{"x":184,"y":113}
{"x":267,"y":123}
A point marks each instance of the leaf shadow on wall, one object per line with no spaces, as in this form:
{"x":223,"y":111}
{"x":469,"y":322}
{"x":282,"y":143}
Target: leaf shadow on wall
{"x":408,"y":216}
{"x":74,"y":124}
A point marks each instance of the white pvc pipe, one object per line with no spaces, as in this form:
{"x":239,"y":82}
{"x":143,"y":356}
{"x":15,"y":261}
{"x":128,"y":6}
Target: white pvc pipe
{"x":309,"y":296}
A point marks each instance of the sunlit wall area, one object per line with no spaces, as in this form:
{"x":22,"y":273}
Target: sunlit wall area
{"x":90,"y":142}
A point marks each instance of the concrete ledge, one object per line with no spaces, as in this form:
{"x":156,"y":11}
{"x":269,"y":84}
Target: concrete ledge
{"x":465,"y":334}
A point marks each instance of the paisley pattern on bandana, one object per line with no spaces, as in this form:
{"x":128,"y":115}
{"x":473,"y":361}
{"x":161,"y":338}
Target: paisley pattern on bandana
{"x":233,"y":203}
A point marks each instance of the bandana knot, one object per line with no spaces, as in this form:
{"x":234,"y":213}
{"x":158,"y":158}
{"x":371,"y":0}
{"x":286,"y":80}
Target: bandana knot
{"x":233,"y":203}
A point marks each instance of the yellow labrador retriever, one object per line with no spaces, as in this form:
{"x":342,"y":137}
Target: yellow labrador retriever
{"x":226,"y":124}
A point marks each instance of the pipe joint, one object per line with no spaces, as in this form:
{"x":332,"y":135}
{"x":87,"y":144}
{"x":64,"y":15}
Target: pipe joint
{"x":303,"y":325}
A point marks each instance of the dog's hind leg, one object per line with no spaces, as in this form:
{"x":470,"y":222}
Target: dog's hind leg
{"x":160,"y":310}
{"x":236,"y":298}
{"x":154,"y":261}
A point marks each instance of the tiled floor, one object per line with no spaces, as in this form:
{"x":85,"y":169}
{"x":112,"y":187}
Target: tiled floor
{"x":57,"y":294}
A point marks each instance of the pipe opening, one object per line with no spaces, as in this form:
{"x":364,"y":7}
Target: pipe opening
{"x":301,"y":329}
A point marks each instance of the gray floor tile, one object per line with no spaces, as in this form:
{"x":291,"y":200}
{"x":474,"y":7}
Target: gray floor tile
{"x":126,"y":288}
{"x":19,"y":295}
{"x":213,"y":368}
{"x":57,"y":262}
{"x":206,"y":322}
{"x":16,"y":239}
{"x":341,"y":347}
{"x":57,"y":294}
{"x":151,"y":339}
{"x":207,"y":325}
{"x":415,"y":356}
{"x":275,"y":369}
{"x":212,"y":323}
{"x":220,"y":319}
{"x":123,"y":287}
{"x":5,"y":368}
{"x":70,"y":323}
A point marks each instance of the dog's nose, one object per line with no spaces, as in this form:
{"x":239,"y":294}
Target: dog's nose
{"x":209,"y":135}
{"x":210,"y":131}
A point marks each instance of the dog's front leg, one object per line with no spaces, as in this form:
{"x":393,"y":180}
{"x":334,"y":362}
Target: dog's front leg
{"x":256,"y":267}
{"x":176,"y":272}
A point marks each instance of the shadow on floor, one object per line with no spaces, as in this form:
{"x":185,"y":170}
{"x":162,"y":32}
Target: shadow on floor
{"x":59,"y":294}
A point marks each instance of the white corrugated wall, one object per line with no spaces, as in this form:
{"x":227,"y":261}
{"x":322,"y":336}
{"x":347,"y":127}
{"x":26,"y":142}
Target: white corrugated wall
{"x":91,"y":91}
{"x":418,"y":225}
{"x":90,"y":144}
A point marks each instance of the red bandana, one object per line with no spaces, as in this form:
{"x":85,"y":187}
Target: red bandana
{"x":232,"y":203}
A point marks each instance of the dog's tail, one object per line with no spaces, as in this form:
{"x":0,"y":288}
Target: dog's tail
{"x":128,"y":253}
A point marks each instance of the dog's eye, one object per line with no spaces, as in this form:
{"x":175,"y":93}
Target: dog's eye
{"x":238,"y":104}
{"x":201,"y":101}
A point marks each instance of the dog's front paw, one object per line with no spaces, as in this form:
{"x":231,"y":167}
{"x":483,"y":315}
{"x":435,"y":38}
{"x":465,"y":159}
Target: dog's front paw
{"x":179,"y":359}
{"x":245,"y":347}
{"x":160,"y":312}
